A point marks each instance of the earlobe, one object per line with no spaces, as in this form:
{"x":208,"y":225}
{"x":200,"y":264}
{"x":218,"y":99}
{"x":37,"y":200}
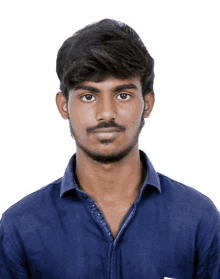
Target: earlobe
{"x":62,"y":105}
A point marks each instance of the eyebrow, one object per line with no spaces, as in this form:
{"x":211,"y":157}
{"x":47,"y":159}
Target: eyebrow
{"x":116,"y":89}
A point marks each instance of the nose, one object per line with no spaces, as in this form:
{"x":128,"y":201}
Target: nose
{"x":106,"y":110}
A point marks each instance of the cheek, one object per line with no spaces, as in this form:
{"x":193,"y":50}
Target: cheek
{"x":81,"y":116}
{"x":81,"y":120}
{"x":132,"y":114}
{"x":87,"y":114}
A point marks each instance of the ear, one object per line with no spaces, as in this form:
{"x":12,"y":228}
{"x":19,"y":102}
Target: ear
{"x":62,"y":105}
{"x":149,"y":103}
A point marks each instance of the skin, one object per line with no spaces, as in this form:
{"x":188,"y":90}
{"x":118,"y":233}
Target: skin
{"x":109,"y":169}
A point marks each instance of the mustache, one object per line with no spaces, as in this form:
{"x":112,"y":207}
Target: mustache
{"x":106,"y":125}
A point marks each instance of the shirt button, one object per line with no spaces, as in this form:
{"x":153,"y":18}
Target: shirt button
{"x":84,"y":197}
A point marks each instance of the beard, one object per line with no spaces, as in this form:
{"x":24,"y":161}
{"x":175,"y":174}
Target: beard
{"x":107,"y":158}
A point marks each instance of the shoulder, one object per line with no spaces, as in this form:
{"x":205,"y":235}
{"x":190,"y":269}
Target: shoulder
{"x":188,"y":199}
{"x":32,"y":203}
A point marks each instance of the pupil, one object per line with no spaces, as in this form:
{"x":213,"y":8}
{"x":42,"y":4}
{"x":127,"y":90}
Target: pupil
{"x":89,"y":98}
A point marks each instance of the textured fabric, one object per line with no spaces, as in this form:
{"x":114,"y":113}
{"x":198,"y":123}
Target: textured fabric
{"x":170,"y":231}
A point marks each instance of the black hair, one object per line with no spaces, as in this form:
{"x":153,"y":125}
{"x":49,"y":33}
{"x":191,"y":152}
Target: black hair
{"x":107,"y":48}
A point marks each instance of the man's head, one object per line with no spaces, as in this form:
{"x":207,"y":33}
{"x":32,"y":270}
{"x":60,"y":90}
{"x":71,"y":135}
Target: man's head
{"x":105,"y":61}
{"x":104,"y":49}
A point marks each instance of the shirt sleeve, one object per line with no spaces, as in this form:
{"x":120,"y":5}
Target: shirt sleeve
{"x":207,"y":256}
{"x":12,"y":259}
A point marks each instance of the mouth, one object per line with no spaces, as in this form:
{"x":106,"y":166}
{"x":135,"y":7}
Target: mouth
{"x":106,"y":134}
{"x":105,"y":130}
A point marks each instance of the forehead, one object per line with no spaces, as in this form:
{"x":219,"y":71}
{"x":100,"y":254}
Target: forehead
{"x":111,"y":83}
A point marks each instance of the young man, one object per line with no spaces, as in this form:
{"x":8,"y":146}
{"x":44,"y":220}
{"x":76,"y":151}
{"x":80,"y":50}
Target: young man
{"x":111,"y":215}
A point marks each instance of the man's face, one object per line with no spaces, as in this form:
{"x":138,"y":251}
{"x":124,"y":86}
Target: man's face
{"x":112,"y":103}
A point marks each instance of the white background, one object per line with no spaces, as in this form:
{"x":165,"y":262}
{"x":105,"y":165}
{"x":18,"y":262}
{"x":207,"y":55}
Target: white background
{"x":181,"y":137}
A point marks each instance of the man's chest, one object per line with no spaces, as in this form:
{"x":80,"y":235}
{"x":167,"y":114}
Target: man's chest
{"x":151,"y":243}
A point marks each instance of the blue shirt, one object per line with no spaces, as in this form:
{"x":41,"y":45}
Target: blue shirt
{"x":171,"y":230}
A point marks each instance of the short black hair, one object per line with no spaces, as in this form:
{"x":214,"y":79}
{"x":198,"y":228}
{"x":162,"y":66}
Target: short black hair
{"x":103,"y":49}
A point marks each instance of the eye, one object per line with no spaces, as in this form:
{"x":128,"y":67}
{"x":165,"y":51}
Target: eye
{"x":87,"y":95}
{"x":123,"y":95}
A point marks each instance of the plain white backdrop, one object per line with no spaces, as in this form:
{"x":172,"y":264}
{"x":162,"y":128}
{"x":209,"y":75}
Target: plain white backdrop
{"x":181,"y":137}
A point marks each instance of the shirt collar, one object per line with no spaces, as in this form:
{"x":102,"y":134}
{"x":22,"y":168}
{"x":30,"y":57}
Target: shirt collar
{"x":68,"y":180}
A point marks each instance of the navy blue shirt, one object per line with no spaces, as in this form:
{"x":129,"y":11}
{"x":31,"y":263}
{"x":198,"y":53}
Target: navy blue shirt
{"x":171,"y":230}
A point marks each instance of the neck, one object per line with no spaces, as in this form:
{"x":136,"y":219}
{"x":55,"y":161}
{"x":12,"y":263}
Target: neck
{"x":122,"y":182}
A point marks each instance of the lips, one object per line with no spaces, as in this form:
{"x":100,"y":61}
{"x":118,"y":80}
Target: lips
{"x":105,"y":130}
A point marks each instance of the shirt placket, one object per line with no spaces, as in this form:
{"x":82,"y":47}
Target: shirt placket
{"x":100,"y":220}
